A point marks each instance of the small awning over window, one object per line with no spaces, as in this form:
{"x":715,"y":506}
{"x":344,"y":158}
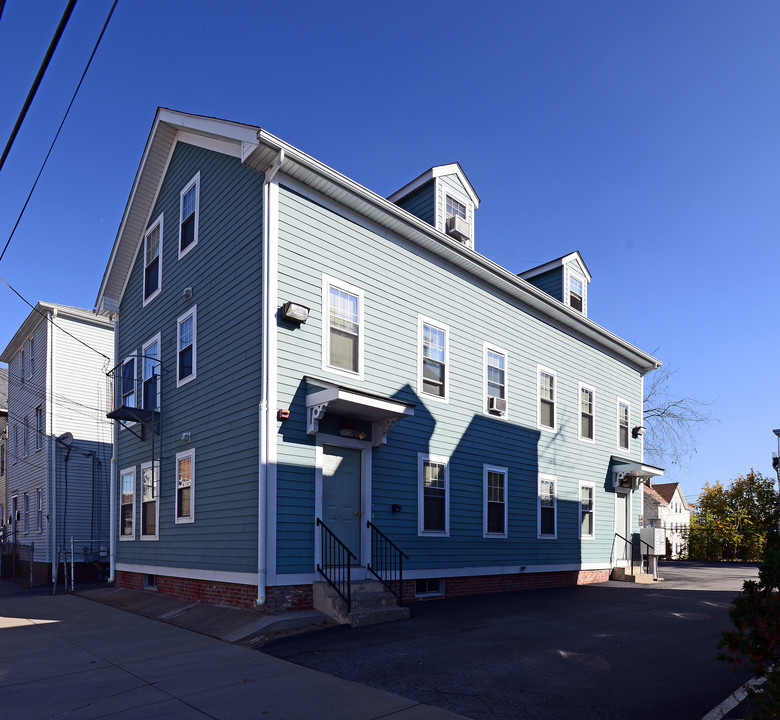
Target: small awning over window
{"x":380,"y":411}
{"x":630,"y":473}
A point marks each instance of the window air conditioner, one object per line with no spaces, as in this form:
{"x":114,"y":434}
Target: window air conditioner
{"x":458,"y":228}
{"x":497,"y":405}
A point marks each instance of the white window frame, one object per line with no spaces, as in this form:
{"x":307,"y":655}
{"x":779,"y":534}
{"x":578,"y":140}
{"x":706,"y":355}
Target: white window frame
{"x":130,"y":359}
{"x":21,"y":366}
{"x":26,"y":436}
{"x":423,"y":458}
{"x":31,"y":357}
{"x":196,"y":182}
{"x":329,"y":282}
{"x":191,"y":517}
{"x":125,"y":473}
{"x":26,"y":513}
{"x":539,"y":370}
{"x":149,"y":230}
{"x":567,"y":291}
{"x":194,"y":312}
{"x":554,"y":481}
{"x":486,"y":469}
{"x":15,"y":445}
{"x":156,"y":465}
{"x":142,"y":360}
{"x":422,"y":321}
{"x":490,"y":347}
{"x":618,"y":403}
{"x":592,"y":391}
{"x":38,"y":510}
{"x":592,"y":487}
{"x":39,"y":428}
{"x":463,"y":200}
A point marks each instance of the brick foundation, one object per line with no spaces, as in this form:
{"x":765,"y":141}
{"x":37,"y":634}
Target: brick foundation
{"x":478,"y":584}
{"x":278,"y":599}
{"x":282,"y":598}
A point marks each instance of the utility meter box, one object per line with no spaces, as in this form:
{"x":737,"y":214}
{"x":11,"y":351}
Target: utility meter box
{"x":655,"y":538}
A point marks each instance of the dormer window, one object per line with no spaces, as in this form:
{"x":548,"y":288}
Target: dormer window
{"x":576,"y":292}
{"x":455,"y":208}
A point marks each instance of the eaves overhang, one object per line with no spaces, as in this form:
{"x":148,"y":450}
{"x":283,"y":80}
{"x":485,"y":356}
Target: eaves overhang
{"x":259,"y":149}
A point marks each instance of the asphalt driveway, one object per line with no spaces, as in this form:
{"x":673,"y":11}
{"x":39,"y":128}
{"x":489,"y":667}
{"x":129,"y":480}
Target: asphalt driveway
{"x":612,"y":651}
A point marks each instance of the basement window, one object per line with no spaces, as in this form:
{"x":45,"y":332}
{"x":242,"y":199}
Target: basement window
{"x":150,"y":582}
{"x":428,"y":587}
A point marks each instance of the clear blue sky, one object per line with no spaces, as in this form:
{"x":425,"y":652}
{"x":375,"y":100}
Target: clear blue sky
{"x":646,"y":135}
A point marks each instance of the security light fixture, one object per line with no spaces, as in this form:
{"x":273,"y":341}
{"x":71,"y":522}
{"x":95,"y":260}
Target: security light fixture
{"x":638,"y":431}
{"x":295,"y":312}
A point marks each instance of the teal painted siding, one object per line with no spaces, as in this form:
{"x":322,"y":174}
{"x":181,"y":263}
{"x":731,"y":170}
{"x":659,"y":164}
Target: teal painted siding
{"x":397,"y":285}
{"x":551,"y":282}
{"x":422,"y":203}
{"x":220,"y":406}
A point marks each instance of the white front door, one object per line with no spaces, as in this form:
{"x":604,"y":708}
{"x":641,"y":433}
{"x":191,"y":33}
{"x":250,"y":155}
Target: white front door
{"x":622,"y":528}
{"x":341,"y":496}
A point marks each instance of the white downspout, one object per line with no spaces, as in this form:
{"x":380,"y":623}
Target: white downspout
{"x":112,"y":495}
{"x":267,"y":454}
{"x":52,"y":448}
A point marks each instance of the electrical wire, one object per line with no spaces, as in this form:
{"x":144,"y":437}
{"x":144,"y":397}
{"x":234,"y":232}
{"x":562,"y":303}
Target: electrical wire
{"x":38,"y":78}
{"x":57,"y":134}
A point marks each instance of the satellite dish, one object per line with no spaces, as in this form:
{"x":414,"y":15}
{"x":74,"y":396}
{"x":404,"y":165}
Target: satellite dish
{"x":66,"y":439}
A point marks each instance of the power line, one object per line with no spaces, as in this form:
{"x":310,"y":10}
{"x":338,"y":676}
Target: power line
{"x":38,"y":78}
{"x":47,"y":317}
{"x":57,"y":134}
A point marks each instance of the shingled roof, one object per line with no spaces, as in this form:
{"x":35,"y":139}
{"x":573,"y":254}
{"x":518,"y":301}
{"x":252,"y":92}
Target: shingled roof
{"x":651,"y":492}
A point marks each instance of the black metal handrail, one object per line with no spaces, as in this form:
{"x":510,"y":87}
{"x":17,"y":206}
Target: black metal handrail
{"x":630,"y":543}
{"x":336,"y":565}
{"x":387,"y":561}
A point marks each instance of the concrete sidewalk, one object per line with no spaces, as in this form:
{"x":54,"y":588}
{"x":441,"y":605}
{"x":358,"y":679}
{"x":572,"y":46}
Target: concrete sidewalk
{"x":69,"y":657}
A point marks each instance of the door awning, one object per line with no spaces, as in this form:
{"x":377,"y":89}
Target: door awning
{"x":630,"y":473}
{"x":381,"y":412}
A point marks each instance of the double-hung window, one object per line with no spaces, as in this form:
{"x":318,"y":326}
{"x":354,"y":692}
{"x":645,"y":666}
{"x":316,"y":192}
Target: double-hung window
{"x":26,"y":513}
{"x":153,"y":260}
{"x":342,"y":340}
{"x":149,"y":500}
{"x":15,"y":444}
{"x":22,"y":367}
{"x":433,"y":499}
{"x":150,"y":364}
{"x":587,"y":510}
{"x":547,"y":507}
{"x":185,"y":486}
{"x":38,"y":510}
{"x":546,"y":398}
{"x":495,"y":510}
{"x":495,"y":400}
{"x":623,"y":420}
{"x":576,"y":292}
{"x":26,"y":436}
{"x":31,"y":356}
{"x":189,"y":203}
{"x":433,"y":377}
{"x":587,"y":399}
{"x":127,"y":504}
{"x":39,"y":427}
{"x":187,"y":338}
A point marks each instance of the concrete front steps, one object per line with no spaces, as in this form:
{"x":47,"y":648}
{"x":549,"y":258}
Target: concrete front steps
{"x":624,"y":574}
{"x":372,"y":603}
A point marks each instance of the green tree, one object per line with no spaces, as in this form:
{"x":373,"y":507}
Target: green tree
{"x":755,"y":640}
{"x":731,"y":522}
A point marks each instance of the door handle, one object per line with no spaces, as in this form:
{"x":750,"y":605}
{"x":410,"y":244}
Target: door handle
{"x":357,"y":513}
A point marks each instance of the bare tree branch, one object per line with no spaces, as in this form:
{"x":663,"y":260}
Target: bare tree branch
{"x":672,"y":423}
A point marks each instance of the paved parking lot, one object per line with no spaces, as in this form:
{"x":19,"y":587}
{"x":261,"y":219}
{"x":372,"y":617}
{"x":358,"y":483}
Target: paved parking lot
{"x":610,"y":651}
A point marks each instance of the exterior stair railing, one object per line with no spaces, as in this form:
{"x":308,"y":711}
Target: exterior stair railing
{"x":629,"y":545}
{"x":387,"y":561}
{"x":336,"y":565}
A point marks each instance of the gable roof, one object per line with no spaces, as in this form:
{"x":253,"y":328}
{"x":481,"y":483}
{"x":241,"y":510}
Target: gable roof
{"x":434,"y":172}
{"x":262,"y":151}
{"x":39,"y":314}
{"x":667,"y":490}
{"x":651,"y":493}
{"x":558,"y":262}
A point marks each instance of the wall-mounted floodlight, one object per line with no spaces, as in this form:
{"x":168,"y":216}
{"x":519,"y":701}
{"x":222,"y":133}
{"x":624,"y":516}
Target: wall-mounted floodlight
{"x":295,"y":312}
{"x":638,"y":431}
